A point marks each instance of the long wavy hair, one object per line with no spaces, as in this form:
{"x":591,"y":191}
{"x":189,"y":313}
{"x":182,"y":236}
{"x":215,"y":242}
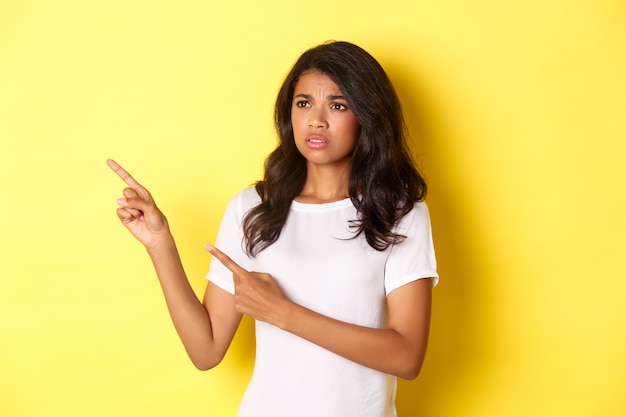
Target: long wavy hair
{"x":384,"y":182}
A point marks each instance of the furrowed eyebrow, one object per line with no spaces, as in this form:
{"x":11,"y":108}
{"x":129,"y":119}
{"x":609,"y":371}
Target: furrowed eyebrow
{"x":310,"y":97}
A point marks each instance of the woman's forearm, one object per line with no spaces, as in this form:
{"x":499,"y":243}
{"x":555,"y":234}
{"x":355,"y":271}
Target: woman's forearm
{"x":190,"y":317}
{"x":398,"y":350}
{"x":385,"y":350}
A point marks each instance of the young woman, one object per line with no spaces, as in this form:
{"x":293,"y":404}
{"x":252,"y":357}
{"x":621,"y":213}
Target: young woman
{"x":331,"y":253}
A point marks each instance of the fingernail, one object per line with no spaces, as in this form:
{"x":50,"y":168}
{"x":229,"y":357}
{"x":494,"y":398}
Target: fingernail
{"x":121,"y":201}
{"x":208,"y":247}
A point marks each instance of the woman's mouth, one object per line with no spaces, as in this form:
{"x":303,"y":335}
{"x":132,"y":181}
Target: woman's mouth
{"x":316,"y":141}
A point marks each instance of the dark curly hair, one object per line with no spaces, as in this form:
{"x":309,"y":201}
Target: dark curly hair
{"x":384,"y":183}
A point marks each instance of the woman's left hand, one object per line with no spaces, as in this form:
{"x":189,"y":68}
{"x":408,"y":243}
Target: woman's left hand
{"x":256,"y":294}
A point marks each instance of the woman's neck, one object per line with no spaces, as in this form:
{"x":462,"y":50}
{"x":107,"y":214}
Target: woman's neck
{"x":325,"y":185}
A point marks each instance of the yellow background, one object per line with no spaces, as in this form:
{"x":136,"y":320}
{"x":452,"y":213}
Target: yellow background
{"x":518,"y":110}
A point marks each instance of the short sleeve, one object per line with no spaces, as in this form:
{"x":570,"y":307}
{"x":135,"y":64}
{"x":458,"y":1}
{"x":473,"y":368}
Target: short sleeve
{"x":414,"y":257}
{"x":230,"y":239}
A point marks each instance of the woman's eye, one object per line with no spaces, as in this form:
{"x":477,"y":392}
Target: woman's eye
{"x":338,"y":106}
{"x":302,"y":104}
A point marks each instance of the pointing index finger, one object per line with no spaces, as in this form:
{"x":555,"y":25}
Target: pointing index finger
{"x":124,"y":175}
{"x":225,"y":259}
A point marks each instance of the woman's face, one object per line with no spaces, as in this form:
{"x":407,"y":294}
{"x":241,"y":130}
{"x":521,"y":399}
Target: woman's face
{"x":324,"y":126}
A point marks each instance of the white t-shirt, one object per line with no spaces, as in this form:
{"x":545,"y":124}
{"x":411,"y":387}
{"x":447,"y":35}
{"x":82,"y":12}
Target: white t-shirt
{"x":319,"y":266}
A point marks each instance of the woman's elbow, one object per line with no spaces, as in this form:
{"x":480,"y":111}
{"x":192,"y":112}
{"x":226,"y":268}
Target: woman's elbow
{"x":204,"y":362}
{"x":410,"y":372}
{"x":410,"y":367}
{"x":204,"y":365}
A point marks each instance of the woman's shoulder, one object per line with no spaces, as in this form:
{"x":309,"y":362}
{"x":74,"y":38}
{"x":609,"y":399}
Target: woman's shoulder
{"x":420,"y":208}
{"x":418,"y":215}
{"x":246,"y":199}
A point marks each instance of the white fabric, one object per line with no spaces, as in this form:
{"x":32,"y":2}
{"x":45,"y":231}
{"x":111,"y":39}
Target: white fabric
{"x":318,"y":266}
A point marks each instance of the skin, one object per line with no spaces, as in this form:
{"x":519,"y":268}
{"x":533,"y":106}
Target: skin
{"x":207,"y":328}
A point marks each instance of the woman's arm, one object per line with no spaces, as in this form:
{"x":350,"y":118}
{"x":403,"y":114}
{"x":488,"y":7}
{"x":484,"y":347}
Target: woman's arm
{"x":206,"y":329}
{"x":398,"y":350}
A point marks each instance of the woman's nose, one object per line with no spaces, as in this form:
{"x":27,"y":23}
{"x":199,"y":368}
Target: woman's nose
{"x":318,"y":118}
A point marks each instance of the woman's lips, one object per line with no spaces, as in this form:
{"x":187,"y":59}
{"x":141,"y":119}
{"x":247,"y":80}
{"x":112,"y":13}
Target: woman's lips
{"x":316,"y":141}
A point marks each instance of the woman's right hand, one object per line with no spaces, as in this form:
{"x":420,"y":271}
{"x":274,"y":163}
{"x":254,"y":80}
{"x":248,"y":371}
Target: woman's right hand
{"x":138,"y":212}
